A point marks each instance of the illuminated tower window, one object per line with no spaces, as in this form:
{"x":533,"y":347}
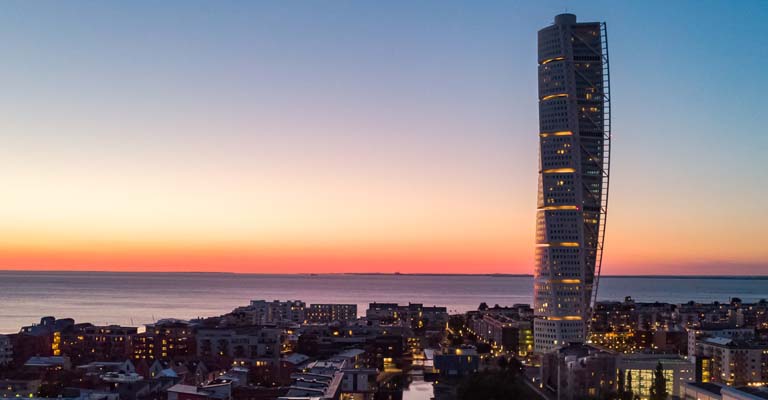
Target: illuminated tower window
{"x":574,"y":158}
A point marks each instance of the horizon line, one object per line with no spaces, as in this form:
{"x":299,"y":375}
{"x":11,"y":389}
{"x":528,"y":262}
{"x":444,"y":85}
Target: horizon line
{"x":671,"y":276}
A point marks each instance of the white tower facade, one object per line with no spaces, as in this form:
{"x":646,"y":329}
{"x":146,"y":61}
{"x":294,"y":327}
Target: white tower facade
{"x":574,"y":161}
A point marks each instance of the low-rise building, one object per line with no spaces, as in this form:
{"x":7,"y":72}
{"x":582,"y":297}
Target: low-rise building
{"x":49,"y":363}
{"x":14,"y":388}
{"x":314,"y":386}
{"x":97,"y":369}
{"x":320,"y":380}
{"x":670,"y":340}
{"x":629,"y":316}
{"x":732,"y":361}
{"x":26,"y":345}
{"x":166,"y":339}
{"x":459,"y":361}
{"x":717,"y":330}
{"x":276,"y":311}
{"x":579,"y":371}
{"x":249,"y":343}
{"x":83,"y":343}
{"x":43,"y":339}
{"x":701,"y":391}
{"x":414,"y":315}
{"x":324,"y":341}
{"x":610,"y":316}
{"x":358,"y":381}
{"x":47,"y":326}
{"x":326,"y":313}
{"x":745,"y":393}
{"x":332,"y":379}
{"x":716,"y":391}
{"x":220,"y":389}
{"x":639,"y":370}
{"x":386,"y":352}
{"x":6,"y":351}
{"x":504,"y":334}
{"x":622,"y":341}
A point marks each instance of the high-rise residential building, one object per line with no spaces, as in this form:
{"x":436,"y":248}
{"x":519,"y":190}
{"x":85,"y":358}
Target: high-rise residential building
{"x":574,"y":138}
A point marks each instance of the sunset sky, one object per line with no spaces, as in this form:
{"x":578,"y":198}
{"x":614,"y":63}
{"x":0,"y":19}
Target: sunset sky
{"x":366,"y":136}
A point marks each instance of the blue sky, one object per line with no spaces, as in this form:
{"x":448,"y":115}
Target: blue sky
{"x":371,"y":118}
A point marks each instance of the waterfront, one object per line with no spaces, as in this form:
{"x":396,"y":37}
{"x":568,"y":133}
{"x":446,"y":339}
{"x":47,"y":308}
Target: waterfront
{"x":139,"y":298}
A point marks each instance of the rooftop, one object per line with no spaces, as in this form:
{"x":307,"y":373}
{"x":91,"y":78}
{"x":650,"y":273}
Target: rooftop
{"x":47,"y":361}
{"x":754,"y":392}
{"x":708,"y":386}
{"x":350,"y":353}
{"x":180,"y":388}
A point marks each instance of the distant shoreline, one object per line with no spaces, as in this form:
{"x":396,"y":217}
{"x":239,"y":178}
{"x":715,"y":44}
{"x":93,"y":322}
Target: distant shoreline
{"x":715,"y":277}
{"x":756,"y":277}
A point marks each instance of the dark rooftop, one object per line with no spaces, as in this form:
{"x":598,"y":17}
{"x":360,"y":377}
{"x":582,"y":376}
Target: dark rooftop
{"x":708,"y":386}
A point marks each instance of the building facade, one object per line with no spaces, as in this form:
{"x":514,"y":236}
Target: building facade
{"x":326,"y":313}
{"x":167,"y":339}
{"x":639,"y":370}
{"x":252,"y":343}
{"x":19,"y":388}
{"x":289,"y":311}
{"x":714,"y":391}
{"x":697,"y":334}
{"x":86,"y":342}
{"x":504,"y":334}
{"x":574,"y":133}
{"x":578,"y":371}
{"x":6,"y":351}
{"x":731,"y":361}
{"x":457,"y":362}
{"x":414,"y":315}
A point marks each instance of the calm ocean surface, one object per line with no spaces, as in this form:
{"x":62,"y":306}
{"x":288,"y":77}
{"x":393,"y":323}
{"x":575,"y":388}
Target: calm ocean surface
{"x":139,"y":298}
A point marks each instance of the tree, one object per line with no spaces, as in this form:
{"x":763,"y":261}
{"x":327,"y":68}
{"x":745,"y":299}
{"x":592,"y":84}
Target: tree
{"x":503,"y":363}
{"x":516,"y":368}
{"x":621,"y":390}
{"x":625,"y":386}
{"x":483,"y":306}
{"x":628,"y":391}
{"x":659,"y":386}
{"x":483,"y":348}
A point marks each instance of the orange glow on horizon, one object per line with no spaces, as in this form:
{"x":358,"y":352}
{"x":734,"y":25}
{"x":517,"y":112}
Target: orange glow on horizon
{"x":445,"y":257}
{"x":264,"y":260}
{"x":264,"y":219}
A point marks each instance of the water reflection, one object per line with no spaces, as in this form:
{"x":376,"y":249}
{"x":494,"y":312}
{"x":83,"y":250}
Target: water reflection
{"x":418,"y":389}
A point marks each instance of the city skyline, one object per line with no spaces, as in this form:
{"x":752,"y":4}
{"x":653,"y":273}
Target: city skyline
{"x":358,"y":138}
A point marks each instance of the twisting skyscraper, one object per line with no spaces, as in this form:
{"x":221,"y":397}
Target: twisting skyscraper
{"x":574,"y":158}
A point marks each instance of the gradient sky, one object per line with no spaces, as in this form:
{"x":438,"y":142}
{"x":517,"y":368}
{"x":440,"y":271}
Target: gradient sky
{"x":335,"y":136}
